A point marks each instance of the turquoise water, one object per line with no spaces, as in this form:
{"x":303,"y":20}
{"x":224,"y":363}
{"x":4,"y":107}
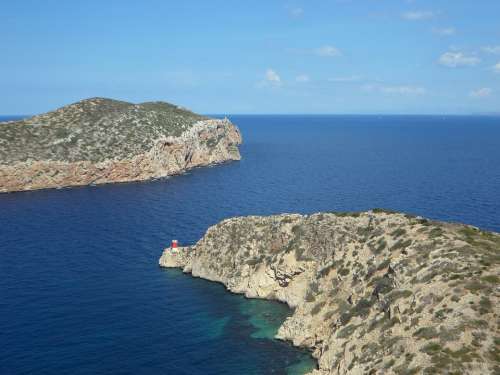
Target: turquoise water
{"x":81,"y":289}
{"x":266,"y":318}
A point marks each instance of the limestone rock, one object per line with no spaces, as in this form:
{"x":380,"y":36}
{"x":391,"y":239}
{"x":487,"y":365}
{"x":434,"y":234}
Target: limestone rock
{"x":99,"y":141}
{"x":373,"y":293}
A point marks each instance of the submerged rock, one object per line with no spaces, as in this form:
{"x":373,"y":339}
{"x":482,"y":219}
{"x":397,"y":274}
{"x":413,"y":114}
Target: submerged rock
{"x":97,"y":141}
{"x":373,"y":293}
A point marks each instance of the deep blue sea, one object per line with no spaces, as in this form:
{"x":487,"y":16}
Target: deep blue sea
{"x":80,"y":288}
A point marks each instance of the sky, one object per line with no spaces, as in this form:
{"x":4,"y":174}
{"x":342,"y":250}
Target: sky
{"x":228,"y":56}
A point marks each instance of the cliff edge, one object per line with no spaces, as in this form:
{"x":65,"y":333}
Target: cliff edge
{"x":98,"y":140}
{"x":373,"y":293}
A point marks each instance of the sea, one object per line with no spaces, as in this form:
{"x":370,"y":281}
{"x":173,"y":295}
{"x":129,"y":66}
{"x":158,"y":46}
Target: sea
{"x":81,"y":291}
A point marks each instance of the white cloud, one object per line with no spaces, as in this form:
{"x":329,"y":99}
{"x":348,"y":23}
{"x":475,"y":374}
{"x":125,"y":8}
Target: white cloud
{"x":302,"y":78}
{"x":296,"y":11}
{"x":368,"y":87}
{"x":353,"y":78}
{"x":328,"y":51}
{"x":273,"y":78}
{"x":445,"y":31}
{"x":418,"y":15}
{"x":492,"y":49}
{"x":496,"y":68}
{"x":398,"y":90}
{"x":481,"y":93}
{"x":457,"y":59}
{"x":403,"y":90}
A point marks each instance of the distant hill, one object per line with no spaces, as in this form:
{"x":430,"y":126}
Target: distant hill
{"x":114,"y":134}
{"x":93,"y":129}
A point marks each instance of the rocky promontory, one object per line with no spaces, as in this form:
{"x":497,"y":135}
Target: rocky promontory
{"x":375,"y":292}
{"x":98,"y":141}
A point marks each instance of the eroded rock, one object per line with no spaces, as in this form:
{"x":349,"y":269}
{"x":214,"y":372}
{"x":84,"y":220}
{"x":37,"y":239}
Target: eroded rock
{"x":373,"y":293}
{"x":98,"y":141}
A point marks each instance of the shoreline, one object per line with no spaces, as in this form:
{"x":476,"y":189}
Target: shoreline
{"x":306,"y":362}
{"x":206,"y":143}
{"x":365,"y":288}
{"x":104,"y":184}
{"x":166,"y":263}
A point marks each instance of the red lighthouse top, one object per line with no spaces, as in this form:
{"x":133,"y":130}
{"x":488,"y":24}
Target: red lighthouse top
{"x":174,"y":244}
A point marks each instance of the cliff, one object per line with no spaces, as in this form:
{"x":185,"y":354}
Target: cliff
{"x":97,"y":141}
{"x":373,"y":293}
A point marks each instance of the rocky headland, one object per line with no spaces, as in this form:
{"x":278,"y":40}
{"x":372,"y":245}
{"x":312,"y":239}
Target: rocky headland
{"x":98,"y":141}
{"x":375,"y":292}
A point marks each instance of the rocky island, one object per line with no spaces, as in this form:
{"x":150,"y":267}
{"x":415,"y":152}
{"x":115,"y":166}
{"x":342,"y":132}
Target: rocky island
{"x":375,"y":292}
{"x":98,"y":141}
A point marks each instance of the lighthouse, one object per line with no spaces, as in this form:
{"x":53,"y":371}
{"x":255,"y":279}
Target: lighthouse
{"x":174,"y":244}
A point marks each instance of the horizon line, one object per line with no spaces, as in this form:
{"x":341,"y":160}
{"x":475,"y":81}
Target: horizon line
{"x":493,"y":114}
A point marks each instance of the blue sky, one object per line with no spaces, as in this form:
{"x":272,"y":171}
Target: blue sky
{"x":321,"y":56}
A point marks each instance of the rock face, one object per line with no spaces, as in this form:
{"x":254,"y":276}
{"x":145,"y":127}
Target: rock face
{"x":373,"y":293}
{"x":97,"y":141}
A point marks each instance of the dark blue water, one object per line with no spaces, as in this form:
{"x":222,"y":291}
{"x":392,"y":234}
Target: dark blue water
{"x":81,"y":292}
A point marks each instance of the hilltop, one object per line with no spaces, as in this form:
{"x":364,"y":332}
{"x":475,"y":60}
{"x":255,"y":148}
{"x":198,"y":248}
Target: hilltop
{"x":93,"y":129}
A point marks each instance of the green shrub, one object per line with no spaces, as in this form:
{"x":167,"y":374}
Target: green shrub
{"x":346,"y":331}
{"x":436,"y":232}
{"x":491,"y":279}
{"x":400,"y":244}
{"x":431,"y":348}
{"x":344,"y":271}
{"x":310,"y":297}
{"x":318,"y":308}
{"x":398,"y":232}
{"x":397,"y":294}
{"x":426,"y":333}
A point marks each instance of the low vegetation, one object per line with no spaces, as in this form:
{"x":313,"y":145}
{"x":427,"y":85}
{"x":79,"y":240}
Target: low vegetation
{"x":93,"y":129}
{"x":376,"y":292}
